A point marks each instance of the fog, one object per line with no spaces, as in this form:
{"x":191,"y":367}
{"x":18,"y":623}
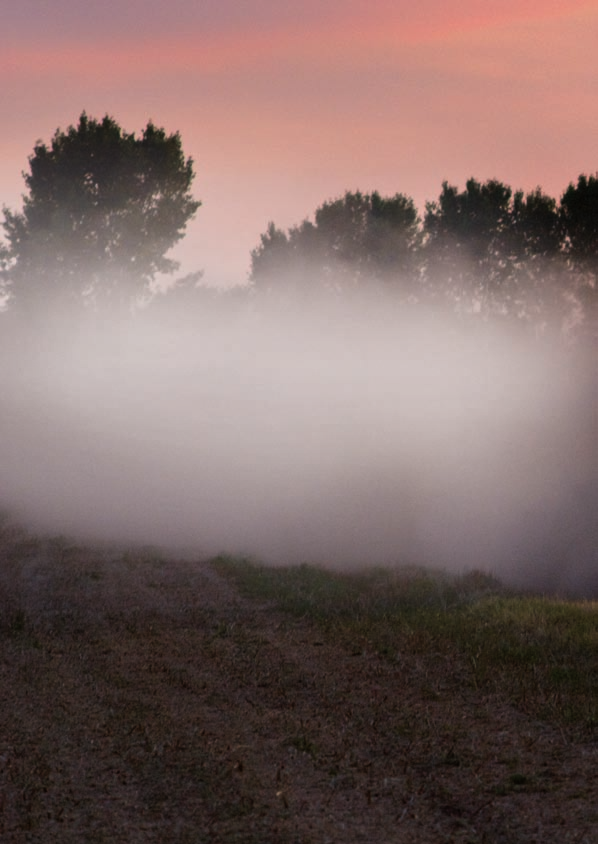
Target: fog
{"x":346,"y":435}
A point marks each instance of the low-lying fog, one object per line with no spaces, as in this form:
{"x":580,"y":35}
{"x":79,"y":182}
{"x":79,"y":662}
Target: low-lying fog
{"x":345,"y":436}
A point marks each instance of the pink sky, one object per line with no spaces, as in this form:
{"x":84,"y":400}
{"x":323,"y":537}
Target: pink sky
{"x":284,"y":105}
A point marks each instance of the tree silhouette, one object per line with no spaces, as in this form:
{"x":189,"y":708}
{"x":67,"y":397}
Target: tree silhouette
{"x":539,"y":288}
{"x":469,"y":245}
{"x":354,"y":241}
{"x":536,"y":225}
{"x":579,"y":217}
{"x":102,"y":210}
{"x":579,"y":214}
{"x":513,"y":256}
{"x":274,"y":259}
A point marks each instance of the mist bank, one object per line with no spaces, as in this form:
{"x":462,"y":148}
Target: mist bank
{"x":347,"y":435}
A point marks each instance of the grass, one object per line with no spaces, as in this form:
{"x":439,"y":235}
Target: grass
{"x":541,"y":652}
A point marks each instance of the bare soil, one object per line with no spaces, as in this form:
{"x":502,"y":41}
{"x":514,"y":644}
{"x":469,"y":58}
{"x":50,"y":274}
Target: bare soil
{"x":144,"y":700}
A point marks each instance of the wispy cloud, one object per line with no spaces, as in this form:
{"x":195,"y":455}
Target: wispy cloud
{"x":347,"y":42}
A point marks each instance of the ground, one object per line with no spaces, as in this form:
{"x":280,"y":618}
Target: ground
{"x":145,"y":700}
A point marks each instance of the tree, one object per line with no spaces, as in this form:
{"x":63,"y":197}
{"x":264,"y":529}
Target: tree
{"x":539,"y":291}
{"x":102,"y":210}
{"x":469,"y":253}
{"x":483,"y":251}
{"x":579,"y":216}
{"x":499,"y":254}
{"x":354,"y":241}
{"x":536,"y":226}
{"x":271,"y":260}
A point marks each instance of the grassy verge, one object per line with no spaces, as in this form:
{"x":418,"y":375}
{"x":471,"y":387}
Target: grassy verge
{"x":541,"y":652}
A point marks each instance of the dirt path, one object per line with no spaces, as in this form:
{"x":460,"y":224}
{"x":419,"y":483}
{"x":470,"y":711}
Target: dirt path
{"x":145,"y":701}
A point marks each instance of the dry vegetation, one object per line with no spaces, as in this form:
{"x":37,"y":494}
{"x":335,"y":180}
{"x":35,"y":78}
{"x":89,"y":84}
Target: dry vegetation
{"x":146,"y":699}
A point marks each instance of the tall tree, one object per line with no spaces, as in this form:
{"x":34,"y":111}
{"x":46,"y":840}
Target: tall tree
{"x":579,"y":216}
{"x":103,"y":208}
{"x":272,"y":261}
{"x":498,"y":253}
{"x":539,"y":291}
{"x":468,"y":244}
{"x":536,"y":226}
{"x":354,"y":241}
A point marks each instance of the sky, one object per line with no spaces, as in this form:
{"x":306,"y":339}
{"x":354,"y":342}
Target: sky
{"x":284,"y":105}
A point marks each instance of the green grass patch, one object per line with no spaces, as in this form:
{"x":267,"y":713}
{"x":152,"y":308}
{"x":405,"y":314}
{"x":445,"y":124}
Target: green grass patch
{"x":541,"y":652}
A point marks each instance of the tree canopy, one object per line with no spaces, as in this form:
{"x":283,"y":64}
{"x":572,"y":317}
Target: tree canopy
{"x":102,"y":211}
{"x":355,"y":239}
{"x":468,"y":250}
{"x":579,"y":216}
{"x":482,"y":250}
{"x":491,"y":250}
{"x":104,"y":207}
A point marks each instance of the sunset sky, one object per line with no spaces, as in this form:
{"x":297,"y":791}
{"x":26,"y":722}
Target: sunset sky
{"x":284,"y":105}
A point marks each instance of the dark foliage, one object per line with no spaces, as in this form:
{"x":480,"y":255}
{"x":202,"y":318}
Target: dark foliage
{"x":355,"y":240}
{"x":579,"y":219}
{"x":102,"y":210}
{"x":484,"y":251}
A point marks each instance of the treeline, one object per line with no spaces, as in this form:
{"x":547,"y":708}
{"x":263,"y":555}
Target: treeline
{"x":485,"y":250}
{"x":103,"y":208}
